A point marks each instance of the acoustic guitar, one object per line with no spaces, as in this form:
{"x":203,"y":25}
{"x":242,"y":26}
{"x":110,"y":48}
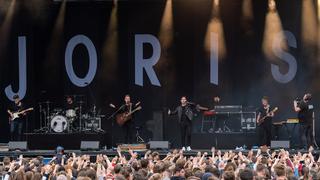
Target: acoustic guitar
{"x":126,"y":116}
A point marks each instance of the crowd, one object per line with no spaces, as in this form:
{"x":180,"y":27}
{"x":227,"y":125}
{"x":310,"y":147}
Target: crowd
{"x":230,"y":165}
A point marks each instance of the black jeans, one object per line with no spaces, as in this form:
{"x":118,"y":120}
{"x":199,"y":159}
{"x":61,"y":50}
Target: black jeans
{"x":16,"y":127}
{"x":128,"y":131}
{"x":265,"y":133}
{"x":186,"y":127}
{"x":306,"y":135}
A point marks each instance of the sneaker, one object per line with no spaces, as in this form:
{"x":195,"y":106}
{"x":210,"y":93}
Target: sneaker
{"x":183,"y":149}
{"x":188,"y":148}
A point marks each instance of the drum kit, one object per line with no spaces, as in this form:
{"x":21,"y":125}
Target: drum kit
{"x":68,"y":120}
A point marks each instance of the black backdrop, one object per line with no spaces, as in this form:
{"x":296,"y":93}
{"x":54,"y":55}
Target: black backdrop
{"x":244,"y":73}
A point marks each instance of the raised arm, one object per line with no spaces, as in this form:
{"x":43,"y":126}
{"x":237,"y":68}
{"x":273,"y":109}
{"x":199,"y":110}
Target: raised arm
{"x":173,"y":112}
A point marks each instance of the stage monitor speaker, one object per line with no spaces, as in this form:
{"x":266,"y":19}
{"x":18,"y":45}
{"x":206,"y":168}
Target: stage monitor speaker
{"x":158,"y":144}
{"x":280,"y":144}
{"x":89,"y":145}
{"x":17,"y":145}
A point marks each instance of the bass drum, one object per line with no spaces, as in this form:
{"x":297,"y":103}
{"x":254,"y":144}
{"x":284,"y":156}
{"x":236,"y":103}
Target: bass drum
{"x":59,"y":124}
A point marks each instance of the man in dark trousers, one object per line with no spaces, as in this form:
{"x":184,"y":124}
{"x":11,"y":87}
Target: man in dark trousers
{"x":305,"y":112}
{"x":16,"y":125}
{"x":264,"y":120}
{"x":128,"y":107}
{"x":185,"y":116}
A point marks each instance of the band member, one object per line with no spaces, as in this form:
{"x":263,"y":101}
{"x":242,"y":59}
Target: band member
{"x":305,"y":112}
{"x":70,"y":111}
{"x":69,"y":103}
{"x":264,"y":121}
{"x":219,"y":120}
{"x":216,"y":100}
{"x":127,"y":107}
{"x":185,"y":116}
{"x":16,"y":125}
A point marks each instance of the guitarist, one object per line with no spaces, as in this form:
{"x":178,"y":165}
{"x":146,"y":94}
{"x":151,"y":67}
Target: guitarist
{"x":16,"y":125}
{"x":264,"y":118}
{"x":127,"y":107}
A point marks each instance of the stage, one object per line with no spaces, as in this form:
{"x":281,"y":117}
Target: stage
{"x":112,"y":152}
{"x":198,"y":140}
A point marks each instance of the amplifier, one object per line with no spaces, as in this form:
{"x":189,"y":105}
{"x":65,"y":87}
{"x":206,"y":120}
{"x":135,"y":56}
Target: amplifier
{"x":280,"y":144}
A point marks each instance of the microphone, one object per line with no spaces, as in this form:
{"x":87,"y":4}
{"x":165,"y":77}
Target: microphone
{"x":112,"y":105}
{"x":191,"y":103}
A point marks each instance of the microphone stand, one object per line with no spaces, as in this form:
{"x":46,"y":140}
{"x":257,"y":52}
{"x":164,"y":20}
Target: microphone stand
{"x":314,"y":132}
{"x":116,"y":112}
{"x":112,"y":122}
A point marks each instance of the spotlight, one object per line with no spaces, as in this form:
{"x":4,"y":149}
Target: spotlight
{"x":273,"y":27}
{"x":215,"y":26}
{"x":272,"y":5}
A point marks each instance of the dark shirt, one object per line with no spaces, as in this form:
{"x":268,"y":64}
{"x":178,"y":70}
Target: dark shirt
{"x":263,"y":112}
{"x":16,"y":108}
{"x":305,"y":114}
{"x":126,"y":108}
{"x":184,"y":117}
{"x":70,"y":106}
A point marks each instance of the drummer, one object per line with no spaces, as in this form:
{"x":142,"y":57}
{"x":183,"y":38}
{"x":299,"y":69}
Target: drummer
{"x":69,"y":103}
{"x":70,"y":109}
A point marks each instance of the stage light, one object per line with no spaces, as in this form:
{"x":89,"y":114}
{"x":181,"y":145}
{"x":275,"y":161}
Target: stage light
{"x":110,"y":47}
{"x":6,"y":27}
{"x":247,"y":10}
{"x":56,"y":39}
{"x":319,"y":10}
{"x":247,"y":17}
{"x":273,"y":26}
{"x":166,"y":28}
{"x":309,"y":23}
{"x":215,"y":26}
{"x":166,"y":35}
{"x":272,"y":5}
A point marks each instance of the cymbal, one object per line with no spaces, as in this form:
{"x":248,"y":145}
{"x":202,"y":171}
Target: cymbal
{"x":80,"y":102}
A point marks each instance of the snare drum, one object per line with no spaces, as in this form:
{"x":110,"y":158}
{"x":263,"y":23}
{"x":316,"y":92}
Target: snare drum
{"x":59,"y":123}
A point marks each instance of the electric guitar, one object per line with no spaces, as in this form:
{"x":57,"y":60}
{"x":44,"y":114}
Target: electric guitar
{"x":261,"y":120}
{"x":126,"y":116}
{"x":16,"y":115}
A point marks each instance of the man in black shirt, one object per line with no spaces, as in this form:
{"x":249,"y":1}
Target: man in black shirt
{"x":185,"y":116}
{"x":69,"y":103}
{"x":305,"y":112}
{"x":127,"y":107}
{"x":16,"y":125}
{"x":264,"y":121}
